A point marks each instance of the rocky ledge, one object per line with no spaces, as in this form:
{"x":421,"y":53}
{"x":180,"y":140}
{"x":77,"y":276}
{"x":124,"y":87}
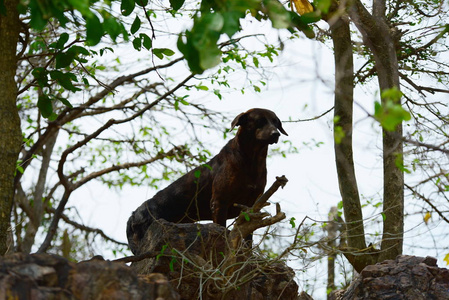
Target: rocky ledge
{"x":406,"y":277}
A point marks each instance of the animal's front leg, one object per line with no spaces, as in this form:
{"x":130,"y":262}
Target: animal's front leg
{"x":219,"y":209}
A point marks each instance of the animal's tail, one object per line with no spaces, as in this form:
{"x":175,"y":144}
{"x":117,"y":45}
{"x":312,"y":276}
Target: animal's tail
{"x":137,"y":226}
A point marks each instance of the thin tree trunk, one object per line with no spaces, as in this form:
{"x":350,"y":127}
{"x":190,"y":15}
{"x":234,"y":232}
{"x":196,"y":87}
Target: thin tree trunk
{"x":37,"y":210}
{"x":332,"y":229}
{"x":343,"y":112}
{"x":379,"y":37}
{"x":10,"y":132}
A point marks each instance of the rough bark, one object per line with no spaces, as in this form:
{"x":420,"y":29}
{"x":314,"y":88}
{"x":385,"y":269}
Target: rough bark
{"x":379,"y":38}
{"x":10,"y":132}
{"x":343,"y":112}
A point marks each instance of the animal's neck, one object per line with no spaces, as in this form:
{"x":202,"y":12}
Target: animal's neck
{"x":253,"y":151}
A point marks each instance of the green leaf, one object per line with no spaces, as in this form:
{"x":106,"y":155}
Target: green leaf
{"x":164,"y":247}
{"x":142,"y":3}
{"x":171,"y":264}
{"x":256,"y":61}
{"x":79,"y":50}
{"x":232,"y":22}
{"x":200,"y":48}
{"x":393,"y":94}
{"x":190,"y":53}
{"x":41,"y":76}
{"x":94,"y":30}
{"x":114,"y":28}
{"x":37,"y":21}
{"x":62,"y":40}
{"x":213,"y":21}
{"x":136,"y":25}
{"x":160,"y":52}
{"x":176,"y":4}
{"x":278,"y":15}
{"x":339,"y":134}
{"x":127,"y":7}
{"x":65,"y":102}
{"x":218,"y":94}
{"x":45,"y":105}
{"x":340,"y":205}
{"x":292,"y":222}
{"x":246,"y":216}
{"x":82,"y":6}
{"x":146,"y":41}
{"x":64,"y":59}
{"x":20,"y":168}
{"x":301,"y":22}
{"x":137,"y":43}
{"x":64,"y":80}
{"x":399,"y":162}
{"x":390,"y":114}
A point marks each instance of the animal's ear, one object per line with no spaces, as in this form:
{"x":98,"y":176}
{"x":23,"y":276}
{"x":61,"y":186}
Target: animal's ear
{"x":279,"y":126}
{"x":239,"y":120}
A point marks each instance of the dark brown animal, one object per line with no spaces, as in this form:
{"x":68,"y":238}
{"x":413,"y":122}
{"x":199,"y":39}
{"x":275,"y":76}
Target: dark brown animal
{"x":237,"y":174}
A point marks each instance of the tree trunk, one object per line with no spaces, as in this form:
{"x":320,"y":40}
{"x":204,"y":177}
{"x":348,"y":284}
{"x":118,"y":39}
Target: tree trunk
{"x":343,"y":111}
{"x":37,"y":210}
{"x":378,"y":36}
{"x":10,"y":132}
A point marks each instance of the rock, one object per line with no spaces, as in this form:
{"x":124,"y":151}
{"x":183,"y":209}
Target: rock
{"x":304,"y":296}
{"x":45,"y":276}
{"x":195,"y":258}
{"x":406,"y":277}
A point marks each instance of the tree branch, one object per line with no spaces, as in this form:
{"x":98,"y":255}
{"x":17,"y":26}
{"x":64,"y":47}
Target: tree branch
{"x":85,"y":228}
{"x":428,"y":202}
{"x":244,"y":227}
{"x":69,"y":114}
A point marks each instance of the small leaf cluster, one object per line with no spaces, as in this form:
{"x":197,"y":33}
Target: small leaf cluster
{"x":67,"y":12}
{"x":216,"y":18}
{"x":390,"y":112}
{"x":63,"y":33}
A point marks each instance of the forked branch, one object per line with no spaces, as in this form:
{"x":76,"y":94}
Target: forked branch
{"x":251,"y":218}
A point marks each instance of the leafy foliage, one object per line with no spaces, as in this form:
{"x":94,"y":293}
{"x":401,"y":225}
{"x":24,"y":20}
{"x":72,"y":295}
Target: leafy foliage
{"x":215,"y":18}
{"x":390,"y":113}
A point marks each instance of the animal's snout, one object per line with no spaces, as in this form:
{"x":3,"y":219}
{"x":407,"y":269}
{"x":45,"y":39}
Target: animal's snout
{"x":275,"y":134}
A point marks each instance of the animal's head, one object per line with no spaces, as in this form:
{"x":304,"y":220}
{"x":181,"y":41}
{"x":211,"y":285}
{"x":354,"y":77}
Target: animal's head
{"x":261,"y":124}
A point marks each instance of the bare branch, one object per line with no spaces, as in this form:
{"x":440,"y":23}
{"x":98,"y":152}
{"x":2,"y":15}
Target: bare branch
{"x":243,"y":227}
{"x":136,"y":258}
{"x":428,"y":202}
{"x":85,"y":228}
{"x":115,"y":168}
{"x":70,"y":114}
{"x":428,"y":146}
{"x":310,"y":119}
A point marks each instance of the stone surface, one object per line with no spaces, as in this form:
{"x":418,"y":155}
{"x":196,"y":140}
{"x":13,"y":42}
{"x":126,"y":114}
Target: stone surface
{"x":406,"y":277}
{"x":193,"y":259}
{"x":44,"y":276}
